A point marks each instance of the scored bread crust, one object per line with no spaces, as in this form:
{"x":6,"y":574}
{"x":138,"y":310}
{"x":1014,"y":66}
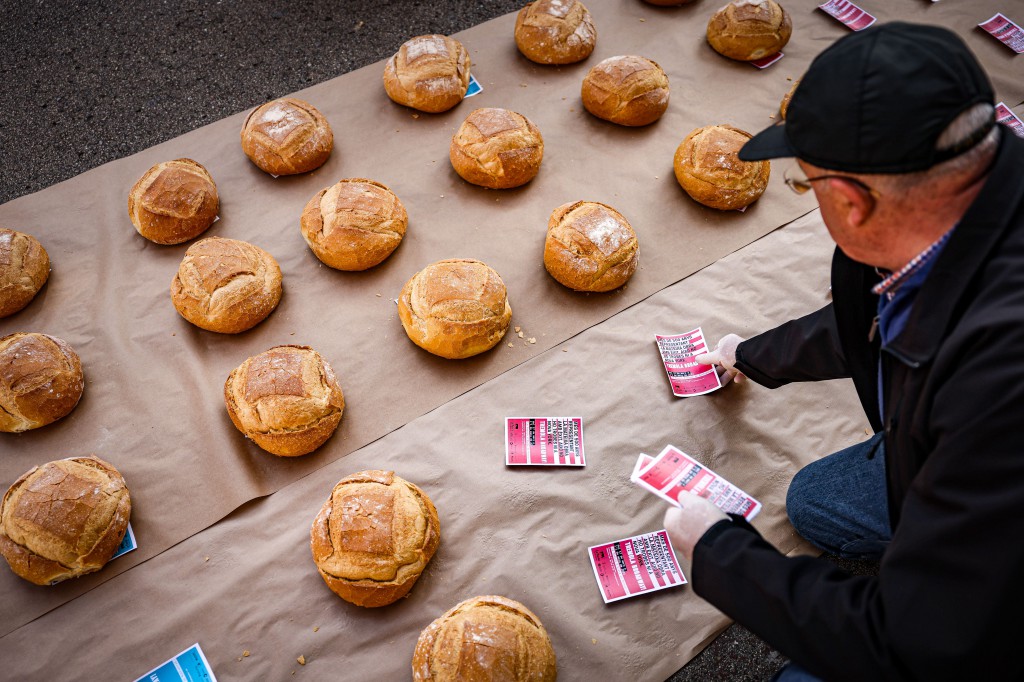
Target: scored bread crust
{"x":226,"y":285}
{"x":41,"y":381}
{"x":497,"y":149}
{"x":487,"y":638}
{"x":708,"y":167}
{"x":627,"y":89}
{"x":24,"y":269}
{"x":455,"y":308}
{"x":590,"y":247}
{"x":747,"y":30}
{"x":354,"y":224}
{"x":287,"y":136}
{"x":555,"y":31}
{"x":64,"y":519}
{"x":373,"y":537}
{"x":173,"y":202}
{"x":429,"y":73}
{"x":286,"y":399}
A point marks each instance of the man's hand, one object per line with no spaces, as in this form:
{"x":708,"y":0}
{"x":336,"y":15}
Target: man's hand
{"x":723,"y":357}
{"x":688,"y":524}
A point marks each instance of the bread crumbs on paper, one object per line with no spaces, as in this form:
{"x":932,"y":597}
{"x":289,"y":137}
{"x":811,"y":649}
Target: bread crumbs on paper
{"x":518,"y":329}
{"x":206,"y":558}
{"x":245,"y":654}
{"x":519,"y":333}
{"x":316,"y":628}
{"x":593,"y":641}
{"x":532,"y":339}
{"x":301,"y":659}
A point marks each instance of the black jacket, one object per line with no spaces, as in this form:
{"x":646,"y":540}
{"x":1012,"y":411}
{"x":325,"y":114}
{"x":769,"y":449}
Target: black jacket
{"x":950,"y":588}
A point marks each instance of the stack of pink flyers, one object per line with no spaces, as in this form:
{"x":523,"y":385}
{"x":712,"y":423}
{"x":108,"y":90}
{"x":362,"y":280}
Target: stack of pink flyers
{"x":684,"y":374}
{"x":673,"y":473}
{"x":636,"y":565}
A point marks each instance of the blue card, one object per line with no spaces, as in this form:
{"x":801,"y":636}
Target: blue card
{"x":127,"y":544}
{"x":474,"y":86}
{"x":188,"y":666}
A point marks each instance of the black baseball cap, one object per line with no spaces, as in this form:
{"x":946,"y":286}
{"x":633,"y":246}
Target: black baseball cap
{"x":876,"y":101}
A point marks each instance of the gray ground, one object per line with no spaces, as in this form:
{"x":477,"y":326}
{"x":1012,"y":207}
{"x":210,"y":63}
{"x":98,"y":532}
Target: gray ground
{"x":83,"y":84}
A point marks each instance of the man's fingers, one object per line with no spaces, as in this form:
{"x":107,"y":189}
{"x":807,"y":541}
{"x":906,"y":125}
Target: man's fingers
{"x":711,"y":358}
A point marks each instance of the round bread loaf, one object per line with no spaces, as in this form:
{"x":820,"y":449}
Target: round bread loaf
{"x":497,"y":148}
{"x":287,"y":136}
{"x":354,"y":224}
{"x":628,"y":90}
{"x":708,"y":167}
{"x":784,"y":104}
{"x":485,"y":638}
{"x":286,"y":399}
{"x":24,"y":269}
{"x":555,"y":31}
{"x":455,"y":308}
{"x":173,"y":202}
{"x":749,"y":29}
{"x":590,"y":247}
{"x":40,"y":381}
{"x":225,"y":285}
{"x":373,"y":537}
{"x":429,"y":73}
{"x":64,"y":519}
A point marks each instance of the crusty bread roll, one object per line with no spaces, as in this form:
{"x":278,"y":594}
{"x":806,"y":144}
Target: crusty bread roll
{"x":286,"y":399}
{"x":64,"y":519}
{"x":373,"y":537}
{"x":497,"y":148}
{"x":784,"y":104}
{"x":590,"y":247}
{"x":628,"y":90}
{"x":485,"y":639}
{"x":555,"y":31}
{"x":24,"y":269}
{"x":455,"y":308}
{"x":749,"y":29}
{"x":173,"y":202}
{"x":708,"y":167}
{"x":287,"y":136}
{"x":429,"y":73}
{"x":225,"y":285}
{"x":354,"y":224}
{"x":40,"y":381}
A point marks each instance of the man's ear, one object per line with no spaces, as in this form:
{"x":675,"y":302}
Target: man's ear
{"x":853,"y":200}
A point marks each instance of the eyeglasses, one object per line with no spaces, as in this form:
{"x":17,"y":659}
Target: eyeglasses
{"x":802,"y":185}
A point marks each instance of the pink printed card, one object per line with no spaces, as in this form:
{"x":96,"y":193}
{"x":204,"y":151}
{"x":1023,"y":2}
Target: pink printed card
{"x":1009,"y":119}
{"x":765,"y":62}
{"x":1005,"y":31}
{"x":848,"y":14}
{"x":673,"y":474}
{"x":684,"y":374}
{"x":636,"y":565}
{"x":544,"y":441}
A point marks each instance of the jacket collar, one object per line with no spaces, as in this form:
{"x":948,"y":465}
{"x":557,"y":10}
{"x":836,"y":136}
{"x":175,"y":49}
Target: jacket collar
{"x":980,"y":229}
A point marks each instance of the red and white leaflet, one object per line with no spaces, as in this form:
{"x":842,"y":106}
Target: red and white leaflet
{"x":1005,"y":31}
{"x":684,"y":374}
{"x":848,"y":14}
{"x":765,"y":62}
{"x":642,"y":461}
{"x":1009,"y":119}
{"x":674,"y":473}
{"x":544,"y":441}
{"x":636,"y":565}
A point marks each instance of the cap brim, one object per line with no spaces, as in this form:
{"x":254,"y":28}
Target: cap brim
{"x":770,"y":143}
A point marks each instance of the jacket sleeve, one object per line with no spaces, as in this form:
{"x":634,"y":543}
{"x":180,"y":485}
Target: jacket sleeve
{"x":805,"y":349}
{"x":949,"y":588}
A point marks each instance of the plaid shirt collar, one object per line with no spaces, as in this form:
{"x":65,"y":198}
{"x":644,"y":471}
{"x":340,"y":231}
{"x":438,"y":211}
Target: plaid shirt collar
{"x":892,"y":281}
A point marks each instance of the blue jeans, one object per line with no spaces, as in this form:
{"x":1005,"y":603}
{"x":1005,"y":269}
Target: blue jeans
{"x":839,"y":504}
